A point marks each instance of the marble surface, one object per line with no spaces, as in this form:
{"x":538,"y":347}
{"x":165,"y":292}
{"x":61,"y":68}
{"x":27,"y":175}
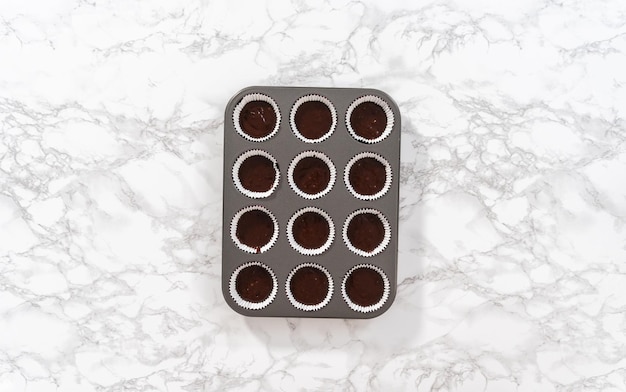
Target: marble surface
{"x":512,"y":273}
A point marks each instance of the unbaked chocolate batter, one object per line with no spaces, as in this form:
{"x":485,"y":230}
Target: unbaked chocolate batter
{"x":257,"y":173}
{"x":254,"y":283}
{"x":257,"y":119}
{"x":255,"y":229}
{"x":311,"y":175}
{"x":368,"y":120}
{"x":309,"y":285}
{"x":365,"y":286}
{"x":311,"y":230}
{"x":366,"y":231}
{"x":313,"y":119}
{"x":367,"y":176}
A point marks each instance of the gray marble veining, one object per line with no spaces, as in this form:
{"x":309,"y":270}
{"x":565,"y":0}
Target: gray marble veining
{"x":512,"y":273}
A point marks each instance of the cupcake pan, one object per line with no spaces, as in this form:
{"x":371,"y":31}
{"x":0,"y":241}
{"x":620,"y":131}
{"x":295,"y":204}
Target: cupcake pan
{"x":340,"y":147}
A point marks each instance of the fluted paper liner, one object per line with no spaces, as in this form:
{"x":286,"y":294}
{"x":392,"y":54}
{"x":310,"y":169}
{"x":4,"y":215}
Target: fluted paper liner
{"x":301,"y":306}
{"x":380,"y":102}
{"x":239,"y":108}
{"x":247,"y":304}
{"x":384,"y":242}
{"x":309,"y":98}
{"x":315,"y":251}
{"x":388,"y":175}
{"x":244,"y":247}
{"x":371,"y":308}
{"x":237,"y":181}
{"x":315,"y":154}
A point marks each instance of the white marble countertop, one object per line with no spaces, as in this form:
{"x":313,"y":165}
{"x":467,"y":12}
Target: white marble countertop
{"x":512,"y":273}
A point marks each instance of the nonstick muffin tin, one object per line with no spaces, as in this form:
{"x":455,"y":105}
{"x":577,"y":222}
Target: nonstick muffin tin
{"x":310,"y":211}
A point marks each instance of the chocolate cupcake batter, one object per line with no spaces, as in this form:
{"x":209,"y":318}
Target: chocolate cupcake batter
{"x":367,"y":176}
{"x":257,"y":119}
{"x":366,"y":231}
{"x":257,"y":173}
{"x":365,"y":286}
{"x":313,"y":119}
{"x":311,"y":175}
{"x":311,"y":230}
{"x":309,"y":285}
{"x":368,"y":120}
{"x":254,"y":283}
{"x":255,"y":229}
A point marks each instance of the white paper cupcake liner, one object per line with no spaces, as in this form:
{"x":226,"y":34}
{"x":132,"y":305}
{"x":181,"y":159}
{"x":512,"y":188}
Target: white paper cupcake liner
{"x":239,"y":108}
{"x":315,"y":154}
{"x":310,"y":252}
{"x":301,"y":306}
{"x":388,"y":175}
{"x":244,"y":247}
{"x":237,"y":181}
{"x":384,"y":242}
{"x":380,"y":102}
{"x":247,"y":304}
{"x":309,"y":98}
{"x":371,"y":308}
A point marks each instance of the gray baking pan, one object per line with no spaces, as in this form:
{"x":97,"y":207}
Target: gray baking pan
{"x":338,"y":203}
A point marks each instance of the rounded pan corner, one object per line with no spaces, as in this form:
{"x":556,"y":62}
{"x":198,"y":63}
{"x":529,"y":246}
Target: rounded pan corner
{"x":228,"y":300}
{"x":236,"y":308}
{"x":387,"y":97}
{"x":237,"y":96}
{"x":385,"y":308}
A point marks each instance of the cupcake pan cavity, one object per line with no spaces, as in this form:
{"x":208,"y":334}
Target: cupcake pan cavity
{"x":320,"y":111}
{"x":284,"y":145}
{"x":322,"y":168}
{"x":254,"y":280}
{"x":309,"y":287}
{"x":256,"y":182}
{"x":299,"y":225}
